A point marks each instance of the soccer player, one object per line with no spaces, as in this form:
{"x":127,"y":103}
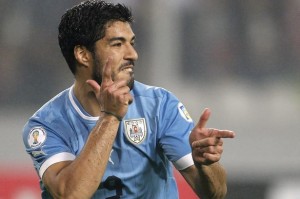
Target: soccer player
{"x":110,"y":136}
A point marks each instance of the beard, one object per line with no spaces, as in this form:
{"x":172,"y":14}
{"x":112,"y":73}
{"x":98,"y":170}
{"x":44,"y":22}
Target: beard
{"x":97,"y":74}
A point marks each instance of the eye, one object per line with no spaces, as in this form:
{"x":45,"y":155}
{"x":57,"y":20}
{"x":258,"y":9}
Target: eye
{"x":117,"y":44}
{"x":132,"y":43}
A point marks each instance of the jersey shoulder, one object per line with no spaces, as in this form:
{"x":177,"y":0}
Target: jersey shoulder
{"x":54,"y":107}
{"x":159,"y":100}
{"x":54,"y":110}
{"x":144,"y":90}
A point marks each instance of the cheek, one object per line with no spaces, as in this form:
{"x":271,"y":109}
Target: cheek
{"x":112,"y":59}
{"x":115,"y":67}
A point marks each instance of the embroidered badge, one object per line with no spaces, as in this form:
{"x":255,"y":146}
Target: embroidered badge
{"x":184,"y":113}
{"x":36,"y":137}
{"x":135,"y":130}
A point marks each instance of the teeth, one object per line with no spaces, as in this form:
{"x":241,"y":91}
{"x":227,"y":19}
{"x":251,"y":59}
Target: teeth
{"x":128,"y":69}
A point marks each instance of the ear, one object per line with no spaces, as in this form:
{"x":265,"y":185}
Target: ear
{"x":82,"y":55}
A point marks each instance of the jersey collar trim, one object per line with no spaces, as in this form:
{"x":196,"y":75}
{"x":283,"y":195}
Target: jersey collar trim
{"x":75,"y":106}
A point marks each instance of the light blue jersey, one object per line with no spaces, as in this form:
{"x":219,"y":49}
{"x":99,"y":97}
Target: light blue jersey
{"x":152,"y":137}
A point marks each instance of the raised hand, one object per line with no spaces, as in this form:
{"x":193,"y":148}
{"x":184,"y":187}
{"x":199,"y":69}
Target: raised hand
{"x":112,"y":96}
{"x":207,"y":143}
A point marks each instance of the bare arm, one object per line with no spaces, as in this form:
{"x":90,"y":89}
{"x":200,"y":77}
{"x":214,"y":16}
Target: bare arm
{"x":81,"y":178}
{"x":207,"y":181}
{"x":207,"y":177}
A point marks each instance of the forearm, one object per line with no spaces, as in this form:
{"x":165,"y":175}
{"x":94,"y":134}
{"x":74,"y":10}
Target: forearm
{"x":212,"y":180}
{"x":81,"y":178}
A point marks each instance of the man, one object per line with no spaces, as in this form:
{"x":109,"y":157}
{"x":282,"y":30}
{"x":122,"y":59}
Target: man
{"x":109,"y":136}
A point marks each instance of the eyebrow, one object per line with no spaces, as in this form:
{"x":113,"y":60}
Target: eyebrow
{"x":120,"y":39}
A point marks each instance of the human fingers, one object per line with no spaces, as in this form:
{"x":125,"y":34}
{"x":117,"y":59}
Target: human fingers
{"x":128,"y":99}
{"x":209,"y":141}
{"x":107,"y":72}
{"x":203,"y":118}
{"x":121,"y":93}
{"x":220,"y":133}
{"x":211,"y":149}
{"x":116,"y":85}
{"x":211,"y":158}
{"x":206,"y":158}
{"x":94,"y":85}
{"x":124,"y":89}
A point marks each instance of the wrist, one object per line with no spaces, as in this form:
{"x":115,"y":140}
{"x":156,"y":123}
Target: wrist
{"x":119,"y":118}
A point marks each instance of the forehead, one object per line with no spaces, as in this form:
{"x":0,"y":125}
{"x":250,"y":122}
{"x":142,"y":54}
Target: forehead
{"x":118,"y":29}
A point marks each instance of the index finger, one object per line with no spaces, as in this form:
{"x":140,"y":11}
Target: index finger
{"x":223,"y":134}
{"x":204,"y":118}
{"x":107,"y":71}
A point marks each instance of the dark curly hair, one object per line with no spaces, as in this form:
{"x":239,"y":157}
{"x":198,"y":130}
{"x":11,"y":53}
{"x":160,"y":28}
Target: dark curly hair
{"x":85,"y":23}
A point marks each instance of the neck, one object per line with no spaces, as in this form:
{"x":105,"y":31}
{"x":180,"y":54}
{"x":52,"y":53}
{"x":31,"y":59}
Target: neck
{"x":86,"y":97}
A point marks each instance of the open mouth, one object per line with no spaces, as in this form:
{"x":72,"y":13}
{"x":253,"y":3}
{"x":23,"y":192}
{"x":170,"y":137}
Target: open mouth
{"x":127,"y":69}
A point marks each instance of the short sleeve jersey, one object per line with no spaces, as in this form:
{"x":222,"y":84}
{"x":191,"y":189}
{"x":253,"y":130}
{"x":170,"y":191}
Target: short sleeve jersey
{"x":152,"y":137}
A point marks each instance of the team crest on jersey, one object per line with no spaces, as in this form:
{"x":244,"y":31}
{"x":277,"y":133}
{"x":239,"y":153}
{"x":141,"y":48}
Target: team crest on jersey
{"x":184,"y":113}
{"x":135,"y":130}
{"x":36,"y":137}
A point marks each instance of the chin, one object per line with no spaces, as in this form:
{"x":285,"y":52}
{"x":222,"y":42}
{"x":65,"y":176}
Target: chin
{"x":131,"y":83}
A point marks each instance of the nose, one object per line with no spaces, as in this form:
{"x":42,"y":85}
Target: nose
{"x":131,"y":53}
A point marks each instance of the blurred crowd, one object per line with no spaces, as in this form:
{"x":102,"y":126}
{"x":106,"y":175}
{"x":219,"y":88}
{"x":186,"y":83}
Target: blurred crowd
{"x":255,"y":40}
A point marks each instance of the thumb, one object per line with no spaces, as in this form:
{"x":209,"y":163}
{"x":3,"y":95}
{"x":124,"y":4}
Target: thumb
{"x":204,"y":118}
{"x":94,"y":85}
